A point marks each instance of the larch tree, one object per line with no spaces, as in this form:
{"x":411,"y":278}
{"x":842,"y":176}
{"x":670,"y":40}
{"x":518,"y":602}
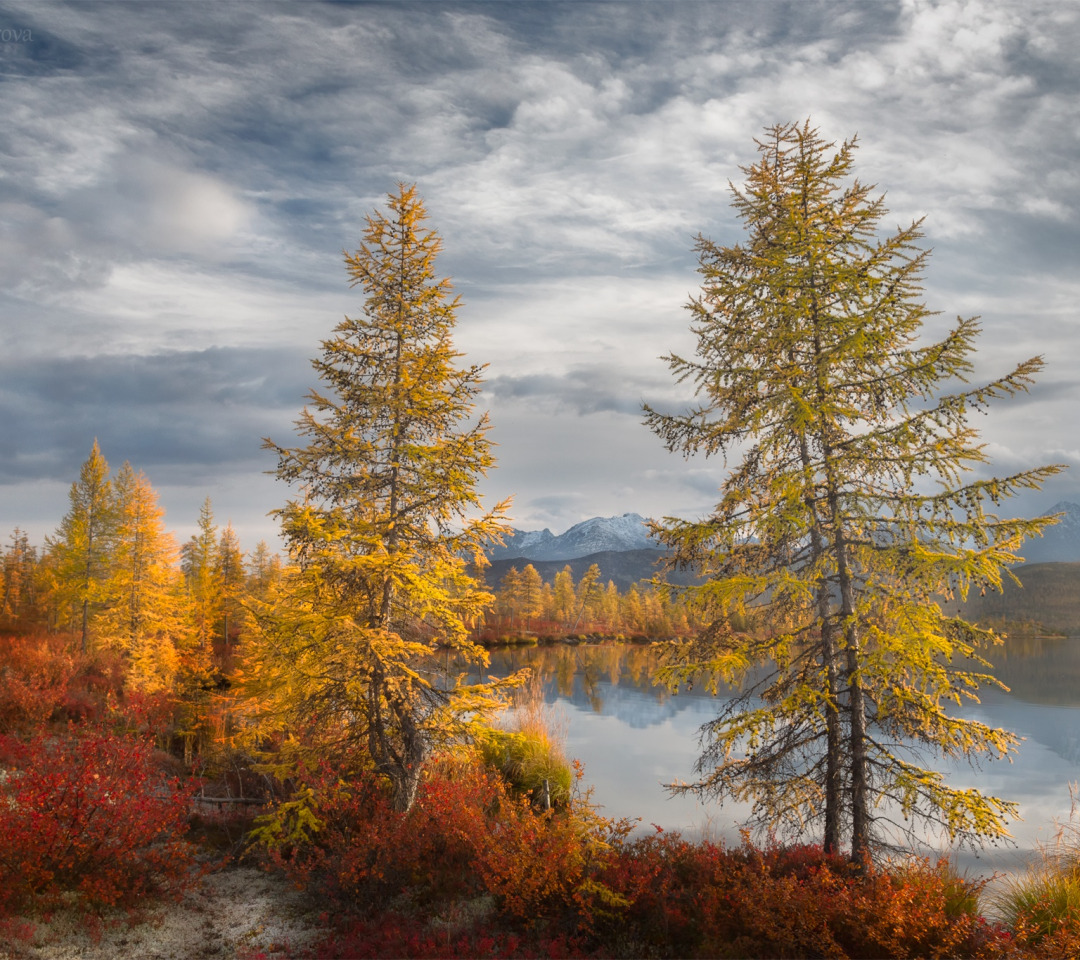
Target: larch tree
{"x":262,"y":573}
{"x":202,"y":574}
{"x":563,"y":597}
{"x":19,"y":578}
{"x":589,"y":593}
{"x":609,"y":606}
{"x":633,"y":610}
{"x":856,"y":508}
{"x":509,"y":595}
{"x":385,"y":525}
{"x":144,"y":618}
{"x":532,"y":594}
{"x":82,"y":546}
{"x":230,"y":570}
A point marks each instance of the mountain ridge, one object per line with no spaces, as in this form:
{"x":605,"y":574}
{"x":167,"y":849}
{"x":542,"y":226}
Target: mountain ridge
{"x":628,"y":531}
{"x":625,"y":552}
{"x":615,"y":534}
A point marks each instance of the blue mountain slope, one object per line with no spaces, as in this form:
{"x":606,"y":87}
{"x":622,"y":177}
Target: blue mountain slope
{"x":597,"y":535}
{"x":1061,"y":542}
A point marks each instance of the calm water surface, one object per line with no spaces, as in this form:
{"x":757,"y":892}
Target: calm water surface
{"x":633,"y":737}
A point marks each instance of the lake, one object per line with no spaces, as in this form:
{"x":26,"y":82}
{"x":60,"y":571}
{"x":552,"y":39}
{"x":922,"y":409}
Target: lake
{"x":634,"y":737}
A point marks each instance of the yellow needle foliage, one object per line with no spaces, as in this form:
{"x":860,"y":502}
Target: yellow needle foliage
{"x":857,"y":505}
{"x":354,"y":656}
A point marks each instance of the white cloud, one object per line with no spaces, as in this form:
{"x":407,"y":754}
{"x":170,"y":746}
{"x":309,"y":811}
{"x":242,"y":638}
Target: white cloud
{"x":186,"y":211}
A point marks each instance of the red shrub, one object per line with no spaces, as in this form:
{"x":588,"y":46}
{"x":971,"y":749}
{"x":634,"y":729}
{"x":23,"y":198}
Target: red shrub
{"x":87,"y":812}
{"x":465,"y":836}
{"x":700,"y":900}
{"x":45,"y":679}
{"x":357,"y":849}
{"x":35,"y":681}
{"x":555,"y":890}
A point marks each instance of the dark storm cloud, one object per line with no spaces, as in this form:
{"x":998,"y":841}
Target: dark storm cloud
{"x":198,"y":413}
{"x":580,"y":390}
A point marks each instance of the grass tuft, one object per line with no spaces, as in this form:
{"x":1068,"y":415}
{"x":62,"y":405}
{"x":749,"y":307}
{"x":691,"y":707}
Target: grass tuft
{"x":530,"y":750}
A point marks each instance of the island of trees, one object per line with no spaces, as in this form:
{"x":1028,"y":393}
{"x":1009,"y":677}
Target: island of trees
{"x":321,"y":713}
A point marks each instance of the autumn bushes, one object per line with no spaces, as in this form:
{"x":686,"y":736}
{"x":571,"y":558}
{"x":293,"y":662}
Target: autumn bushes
{"x":87,"y":818}
{"x":44,"y":679}
{"x":703,"y":900}
{"x":467,"y":836}
{"x":87,"y":813}
{"x":473,"y":870}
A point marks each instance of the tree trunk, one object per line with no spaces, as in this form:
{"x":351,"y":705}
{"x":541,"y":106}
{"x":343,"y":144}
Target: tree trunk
{"x":860,"y":783}
{"x":833,"y":734}
{"x":833,"y":742}
{"x":405,"y":777}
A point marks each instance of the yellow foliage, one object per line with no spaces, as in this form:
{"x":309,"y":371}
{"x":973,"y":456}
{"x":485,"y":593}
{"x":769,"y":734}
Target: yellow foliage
{"x":851,"y":514}
{"x":352,"y":652}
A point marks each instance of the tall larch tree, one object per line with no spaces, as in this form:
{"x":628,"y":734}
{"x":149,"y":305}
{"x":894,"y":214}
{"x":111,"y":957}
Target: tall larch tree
{"x":230,"y":570}
{"x":202,"y":575}
{"x":83,"y":544}
{"x":856,"y":507}
{"x":385,"y":523}
{"x":144,"y":618}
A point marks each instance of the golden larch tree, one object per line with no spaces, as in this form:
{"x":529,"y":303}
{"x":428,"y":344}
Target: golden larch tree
{"x":856,"y":507}
{"x":384,"y":525}
{"x":145,"y":617}
{"x":82,"y":546}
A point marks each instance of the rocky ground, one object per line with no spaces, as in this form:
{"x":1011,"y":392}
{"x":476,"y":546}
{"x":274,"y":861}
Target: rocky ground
{"x":236,"y":913}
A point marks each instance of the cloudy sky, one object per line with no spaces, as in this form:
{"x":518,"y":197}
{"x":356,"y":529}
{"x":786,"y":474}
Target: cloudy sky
{"x":179,"y":181}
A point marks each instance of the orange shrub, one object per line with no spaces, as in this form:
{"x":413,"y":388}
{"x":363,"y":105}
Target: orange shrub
{"x":702,"y":900}
{"x":464,"y":836}
{"x":531,"y":862}
{"x":555,"y":889}
{"x":45,"y":679}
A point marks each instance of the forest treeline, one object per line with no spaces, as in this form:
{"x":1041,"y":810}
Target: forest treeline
{"x":527,"y":604}
{"x":115,"y":595}
{"x":115,"y":578}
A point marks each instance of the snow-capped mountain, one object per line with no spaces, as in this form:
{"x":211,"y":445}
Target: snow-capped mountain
{"x":1061,"y":542}
{"x":598,"y":535}
{"x":522,"y":543}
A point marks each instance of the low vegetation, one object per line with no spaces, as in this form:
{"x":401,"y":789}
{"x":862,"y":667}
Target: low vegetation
{"x":530,"y":763}
{"x":86,"y":812}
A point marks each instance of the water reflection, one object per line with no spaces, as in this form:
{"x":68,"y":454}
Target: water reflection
{"x":633,"y":737}
{"x":1043,"y":670}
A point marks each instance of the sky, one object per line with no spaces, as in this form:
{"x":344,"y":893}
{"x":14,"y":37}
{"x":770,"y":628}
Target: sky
{"x":179,"y":181}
